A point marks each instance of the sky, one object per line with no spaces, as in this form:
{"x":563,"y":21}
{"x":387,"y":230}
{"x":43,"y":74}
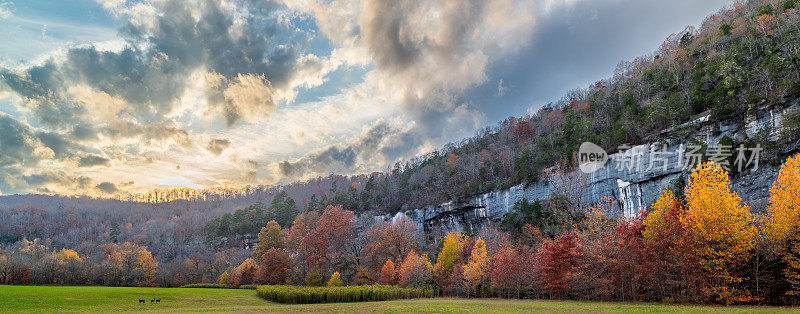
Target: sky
{"x":112,"y":97}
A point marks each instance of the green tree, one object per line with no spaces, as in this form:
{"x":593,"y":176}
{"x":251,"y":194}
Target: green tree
{"x":114,"y":232}
{"x":284,"y":208}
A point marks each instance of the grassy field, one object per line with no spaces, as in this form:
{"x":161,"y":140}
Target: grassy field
{"x":105,"y":299}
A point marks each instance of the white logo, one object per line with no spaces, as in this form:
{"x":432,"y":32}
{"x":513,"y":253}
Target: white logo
{"x":591,"y":157}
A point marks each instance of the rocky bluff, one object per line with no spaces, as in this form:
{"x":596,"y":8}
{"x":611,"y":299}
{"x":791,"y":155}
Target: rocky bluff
{"x":635,"y":177}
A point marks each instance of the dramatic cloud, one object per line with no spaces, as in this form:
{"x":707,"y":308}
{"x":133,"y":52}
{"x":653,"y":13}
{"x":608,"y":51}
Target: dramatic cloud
{"x":248,"y":96}
{"x":206,"y":93}
{"x":146,"y":79}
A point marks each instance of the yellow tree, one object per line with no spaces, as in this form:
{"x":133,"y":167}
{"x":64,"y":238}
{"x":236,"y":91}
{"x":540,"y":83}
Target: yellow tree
{"x":129,"y":264}
{"x":68,"y":268}
{"x":784,"y":209}
{"x":336,"y":280}
{"x":782,"y":220}
{"x":476,"y":269}
{"x":449,"y":255}
{"x":659,"y":218}
{"x":720,"y":230}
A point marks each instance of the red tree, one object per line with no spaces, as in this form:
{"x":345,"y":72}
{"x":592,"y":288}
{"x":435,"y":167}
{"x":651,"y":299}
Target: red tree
{"x":323,"y":240}
{"x":556,"y":259}
{"x":274,"y":267}
{"x":512,"y":272}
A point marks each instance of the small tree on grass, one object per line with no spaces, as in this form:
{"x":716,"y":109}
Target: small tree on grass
{"x":243,"y":274}
{"x":223,"y":278}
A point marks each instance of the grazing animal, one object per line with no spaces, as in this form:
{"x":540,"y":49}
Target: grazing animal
{"x":158,"y":300}
{"x":141,"y":301}
{"x":153,"y":301}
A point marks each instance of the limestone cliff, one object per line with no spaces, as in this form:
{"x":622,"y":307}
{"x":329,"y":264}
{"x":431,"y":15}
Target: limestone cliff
{"x":636,"y":185}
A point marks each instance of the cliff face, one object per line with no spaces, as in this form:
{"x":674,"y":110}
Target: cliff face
{"x":635,"y":177}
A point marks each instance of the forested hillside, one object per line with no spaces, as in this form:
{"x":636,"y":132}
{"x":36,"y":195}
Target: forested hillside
{"x":739,"y":59}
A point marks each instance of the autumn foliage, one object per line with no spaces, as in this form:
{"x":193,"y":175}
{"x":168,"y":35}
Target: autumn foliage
{"x":388,"y":274}
{"x":416,"y":270}
{"x":476,"y":270}
{"x":274,"y":267}
{"x":720,"y":229}
{"x":702,"y":245}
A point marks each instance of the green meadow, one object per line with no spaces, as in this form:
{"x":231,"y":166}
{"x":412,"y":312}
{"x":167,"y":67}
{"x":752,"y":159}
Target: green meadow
{"x":35,"y":299}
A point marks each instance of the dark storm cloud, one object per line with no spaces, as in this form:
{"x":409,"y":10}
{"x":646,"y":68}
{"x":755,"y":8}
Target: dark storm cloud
{"x":93,"y":160}
{"x":216,"y":146}
{"x":107,"y":187}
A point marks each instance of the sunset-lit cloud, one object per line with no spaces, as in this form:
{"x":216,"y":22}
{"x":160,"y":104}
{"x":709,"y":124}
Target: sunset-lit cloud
{"x":225,"y":93}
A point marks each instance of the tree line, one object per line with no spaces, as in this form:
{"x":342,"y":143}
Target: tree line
{"x":701,"y":245}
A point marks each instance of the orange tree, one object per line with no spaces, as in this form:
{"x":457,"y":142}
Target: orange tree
{"x":388,"y":274}
{"x":720,"y":230}
{"x":416,"y":270}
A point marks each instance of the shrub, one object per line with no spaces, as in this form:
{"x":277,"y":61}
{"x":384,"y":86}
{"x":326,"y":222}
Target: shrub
{"x":206,"y":285}
{"x":305,"y":295}
{"x":248,"y":287}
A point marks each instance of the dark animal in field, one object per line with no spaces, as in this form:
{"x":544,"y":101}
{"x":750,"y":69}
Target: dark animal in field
{"x":141,"y":301}
{"x":158,"y":300}
{"x":153,"y":301}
